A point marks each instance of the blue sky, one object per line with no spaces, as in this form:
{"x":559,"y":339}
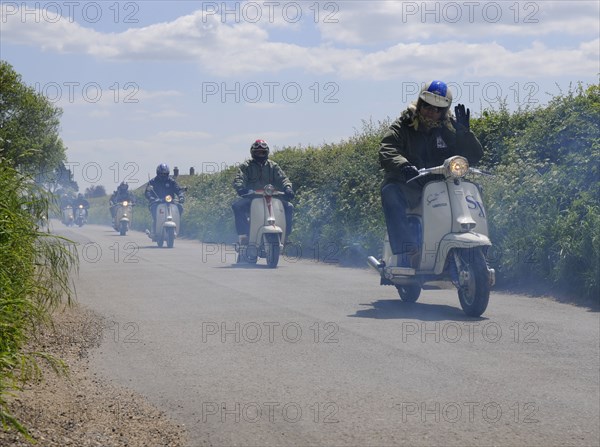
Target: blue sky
{"x":193,"y":83}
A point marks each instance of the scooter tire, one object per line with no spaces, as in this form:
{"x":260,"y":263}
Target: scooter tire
{"x":170,"y":237}
{"x":409,"y":293}
{"x":272,"y":249}
{"x":474,"y":297}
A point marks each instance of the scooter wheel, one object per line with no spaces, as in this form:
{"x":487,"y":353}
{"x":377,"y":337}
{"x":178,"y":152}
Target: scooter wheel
{"x":409,"y":293}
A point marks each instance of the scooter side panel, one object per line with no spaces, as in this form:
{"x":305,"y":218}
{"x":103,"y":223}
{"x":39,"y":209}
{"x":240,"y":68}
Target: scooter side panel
{"x":279,"y":213}
{"x":163,"y":210}
{"x":475,"y":205}
{"x":437,"y":221}
{"x":258,"y":218}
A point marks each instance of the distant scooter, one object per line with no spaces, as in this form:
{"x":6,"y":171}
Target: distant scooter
{"x":68,"y":216}
{"x":80,"y":215}
{"x":267,"y":228}
{"x":123,"y":216}
{"x":451,"y":227}
{"x":167,"y":221}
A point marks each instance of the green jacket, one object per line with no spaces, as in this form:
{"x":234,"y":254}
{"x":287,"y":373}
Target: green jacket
{"x":408,"y":143}
{"x":254,"y":175}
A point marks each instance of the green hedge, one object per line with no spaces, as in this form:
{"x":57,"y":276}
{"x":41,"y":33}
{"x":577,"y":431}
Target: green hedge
{"x":34,"y":278}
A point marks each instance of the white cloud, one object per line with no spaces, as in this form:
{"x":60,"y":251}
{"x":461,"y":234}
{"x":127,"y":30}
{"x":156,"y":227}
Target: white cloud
{"x":172,"y":135}
{"x":411,"y":21}
{"x":244,"y":49}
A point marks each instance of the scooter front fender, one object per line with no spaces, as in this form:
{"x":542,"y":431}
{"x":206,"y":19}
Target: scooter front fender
{"x":270,"y":229}
{"x":169,"y":224}
{"x":458,"y":240}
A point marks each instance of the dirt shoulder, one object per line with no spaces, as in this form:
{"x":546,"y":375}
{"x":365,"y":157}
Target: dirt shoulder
{"x":84,"y":409}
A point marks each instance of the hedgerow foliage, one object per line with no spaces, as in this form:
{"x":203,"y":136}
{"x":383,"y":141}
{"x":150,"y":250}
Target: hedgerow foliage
{"x":544,"y":200}
{"x":34,"y":278}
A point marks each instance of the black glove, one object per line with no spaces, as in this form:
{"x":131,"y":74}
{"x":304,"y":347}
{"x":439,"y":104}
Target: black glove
{"x":242,"y":191}
{"x":462,"y":117}
{"x":408,"y":171}
{"x":181,"y":199}
{"x":289,"y":193}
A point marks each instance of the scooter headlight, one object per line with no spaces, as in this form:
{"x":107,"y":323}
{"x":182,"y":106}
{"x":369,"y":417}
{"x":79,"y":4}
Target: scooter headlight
{"x":80,"y":206}
{"x":125,"y":202}
{"x":168,"y":199}
{"x":456,"y":166}
{"x":269,"y":190}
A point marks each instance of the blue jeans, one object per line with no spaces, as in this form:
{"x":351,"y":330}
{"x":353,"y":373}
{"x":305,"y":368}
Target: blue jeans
{"x":395,"y":202}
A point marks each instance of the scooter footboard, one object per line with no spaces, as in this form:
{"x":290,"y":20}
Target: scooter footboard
{"x":458,"y":240}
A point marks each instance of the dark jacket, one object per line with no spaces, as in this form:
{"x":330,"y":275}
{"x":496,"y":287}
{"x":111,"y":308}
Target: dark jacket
{"x":408,"y":143}
{"x":254,"y":175}
{"x":163,"y":188}
{"x":84,"y":202}
{"x":118,"y":197}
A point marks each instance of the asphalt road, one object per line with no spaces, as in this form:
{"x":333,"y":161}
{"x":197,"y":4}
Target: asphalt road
{"x":317,"y":354}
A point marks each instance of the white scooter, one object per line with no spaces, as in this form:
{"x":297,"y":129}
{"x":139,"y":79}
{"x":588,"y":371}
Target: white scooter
{"x":167,"y":221}
{"x":451,"y":227}
{"x":267,"y":228}
{"x":80,"y":215}
{"x":67,"y":215}
{"x":123,"y":216}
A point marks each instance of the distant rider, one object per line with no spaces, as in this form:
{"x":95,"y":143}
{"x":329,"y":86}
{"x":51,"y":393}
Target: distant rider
{"x":65,"y":201}
{"x":80,"y":200}
{"x":255,"y":174}
{"x":121,"y":194}
{"x":422,"y":137}
{"x":160,"y":187}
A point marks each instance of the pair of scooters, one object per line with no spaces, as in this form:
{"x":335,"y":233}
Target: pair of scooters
{"x":77,"y":216}
{"x":450,"y":223}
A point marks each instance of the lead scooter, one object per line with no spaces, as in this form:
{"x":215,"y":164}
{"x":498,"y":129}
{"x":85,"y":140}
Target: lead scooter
{"x":167,"y":221}
{"x":451,"y":226}
{"x":267,"y":228}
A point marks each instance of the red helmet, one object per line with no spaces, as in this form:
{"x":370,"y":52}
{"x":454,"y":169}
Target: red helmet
{"x":259,"y":150}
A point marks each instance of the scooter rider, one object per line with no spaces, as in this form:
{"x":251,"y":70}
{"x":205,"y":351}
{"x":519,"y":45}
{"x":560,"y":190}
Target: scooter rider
{"x":122,"y":193}
{"x":254,"y":174}
{"x":80,"y":200}
{"x":161,"y":186}
{"x":423,"y":136}
{"x":65,"y":201}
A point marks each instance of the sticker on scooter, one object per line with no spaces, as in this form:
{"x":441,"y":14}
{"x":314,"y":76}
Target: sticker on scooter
{"x":474,"y":204}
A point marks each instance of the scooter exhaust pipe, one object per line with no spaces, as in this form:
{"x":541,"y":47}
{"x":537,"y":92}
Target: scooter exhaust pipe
{"x":374,"y":263}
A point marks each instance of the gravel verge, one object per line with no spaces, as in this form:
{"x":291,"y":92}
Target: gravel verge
{"x":83,"y":408}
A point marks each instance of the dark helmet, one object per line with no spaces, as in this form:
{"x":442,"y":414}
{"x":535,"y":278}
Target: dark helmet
{"x":123,"y":187}
{"x":80,"y":196}
{"x":259,"y":150}
{"x":162,"y":170}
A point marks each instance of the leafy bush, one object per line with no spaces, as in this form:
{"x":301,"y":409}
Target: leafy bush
{"x":34,"y":278}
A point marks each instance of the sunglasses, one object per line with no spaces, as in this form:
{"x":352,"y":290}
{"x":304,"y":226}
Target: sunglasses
{"x":434,"y":108}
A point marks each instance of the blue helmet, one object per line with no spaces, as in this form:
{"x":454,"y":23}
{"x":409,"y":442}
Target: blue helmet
{"x":436,"y":93}
{"x":162,"y":170}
